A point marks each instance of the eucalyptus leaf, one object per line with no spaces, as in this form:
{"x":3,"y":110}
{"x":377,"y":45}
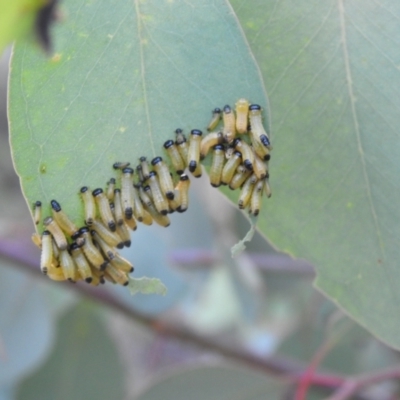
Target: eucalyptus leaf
{"x":331,"y":69}
{"x":146,"y":285}
{"x":124,"y":76}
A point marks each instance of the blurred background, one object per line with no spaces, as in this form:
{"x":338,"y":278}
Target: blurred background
{"x":243,"y":328}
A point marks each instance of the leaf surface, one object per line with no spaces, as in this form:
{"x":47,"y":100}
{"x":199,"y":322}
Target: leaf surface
{"x":332,"y":76}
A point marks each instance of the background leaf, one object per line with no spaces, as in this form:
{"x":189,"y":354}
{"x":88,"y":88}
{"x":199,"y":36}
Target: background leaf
{"x":119,"y":86}
{"x":77,"y":367}
{"x":331,"y":70}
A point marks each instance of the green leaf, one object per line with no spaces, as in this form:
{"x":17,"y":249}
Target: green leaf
{"x":16,"y":19}
{"x":146,"y":285}
{"x":84,"y":364}
{"x":332,"y":71}
{"x":119,"y":85}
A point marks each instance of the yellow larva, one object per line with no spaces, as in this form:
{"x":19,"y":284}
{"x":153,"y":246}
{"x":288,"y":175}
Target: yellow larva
{"x":108,"y":251}
{"x":209,"y":141}
{"x":257,"y":127}
{"x":247,"y":153}
{"x":194,"y":150}
{"x":159,"y":200}
{"x":37,"y":214}
{"x":255,"y":200}
{"x":262,"y":151}
{"x":240,"y":176}
{"x":247,"y":191}
{"x":217,"y":165}
{"x":121,"y":165}
{"x":46,"y":256}
{"x":104,"y":209}
{"x":260,"y":167}
{"x":110,"y":189}
{"x":91,"y":251}
{"x":89,"y":205}
{"x":124,"y":234}
{"x":138,"y":210}
{"x":267,"y":188}
{"x":216,"y":117}
{"x":68,"y":266}
{"x":118,"y":212}
{"x":242,"y":114}
{"x":57,"y":233}
{"x":112,"y":238}
{"x":116,"y":275}
{"x":81,"y":262}
{"x":229,"y":130}
{"x":122,"y":264}
{"x":182,"y":145}
{"x":175,"y":156}
{"x":127,"y":200}
{"x":37,"y":240}
{"x":145,"y":167}
{"x":230,"y":167}
{"x":62,"y":219}
{"x":164,"y":177}
{"x":183,"y":187}
{"x":160,"y":219}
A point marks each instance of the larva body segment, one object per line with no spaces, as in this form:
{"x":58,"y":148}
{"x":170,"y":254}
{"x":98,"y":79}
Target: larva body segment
{"x":56,"y":232}
{"x":91,"y":251}
{"x":247,"y":191}
{"x":127,"y":200}
{"x":256,"y":196}
{"x":81,"y":262}
{"x":122,"y":264}
{"x":62,"y":219}
{"x":183,"y":187}
{"x":247,"y":153}
{"x":230,"y":167}
{"x":217,"y":165}
{"x":104,"y":209}
{"x":159,"y":200}
{"x":238,"y":179}
{"x":216,"y":117}
{"x":116,"y":275}
{"x":112,"y":238}
{"x":68,"y":266}
{"x":46,"y":256}
{"x":229,"y":130}
{"x":164,"y":177}
{"x":118,"y":212}
{"x":208,"y":141}
{"x":175,"y":156}
{"x":194,"y":150}
{"x":37,"y":212}
{"x":110,"y":189}
{"x":182,"y":145}
{"x":257,"y":127}
{"x":89,"y":205}
{"x":242,"y":115}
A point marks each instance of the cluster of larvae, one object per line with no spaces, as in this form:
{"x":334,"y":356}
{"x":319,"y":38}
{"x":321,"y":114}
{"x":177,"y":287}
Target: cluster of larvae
{"x":240,"y":154}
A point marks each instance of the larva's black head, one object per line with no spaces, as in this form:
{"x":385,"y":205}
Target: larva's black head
{"x":248,"y":165}
{"x":264,"y":140}
{"x":218,"y":147}
{"x":254,"y":107}
{"x":217,"y":110}
{"x":111,"y":181}
{"x":196,"y":132}
{"x":227,"y":109}
{"x":267,"y":157}
{"x":139,"y":168}
{"x":178,"y":130}
{"x":117,"y":190}
{"x":128,"y":171}
{"x":156,"y":160}
{"x":237,"y":154}
{"x":192,"y":166}
{"x":84,"y":230}
{"x":142,"y":159}
{"x":73,"y":246}
{"x":55,"y":205}
{"x":236,"y":142}
{"x":184,"y":177}
{"x":45,"y":233}
{"x":136,"y":185}
{"x":97,"y":191}
{"x":119,"y":165}
{"x":152,"y":174}
{"x":75,"y":235}
{"x":38,"y":203}
{"x":146,"y":188}
{"x":168,"y":144}
{"x":84,"y":189}
{"x":89,"y":279}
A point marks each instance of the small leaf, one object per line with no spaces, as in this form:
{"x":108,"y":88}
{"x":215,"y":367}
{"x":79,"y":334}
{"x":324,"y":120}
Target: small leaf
{"x":146,"y":286}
